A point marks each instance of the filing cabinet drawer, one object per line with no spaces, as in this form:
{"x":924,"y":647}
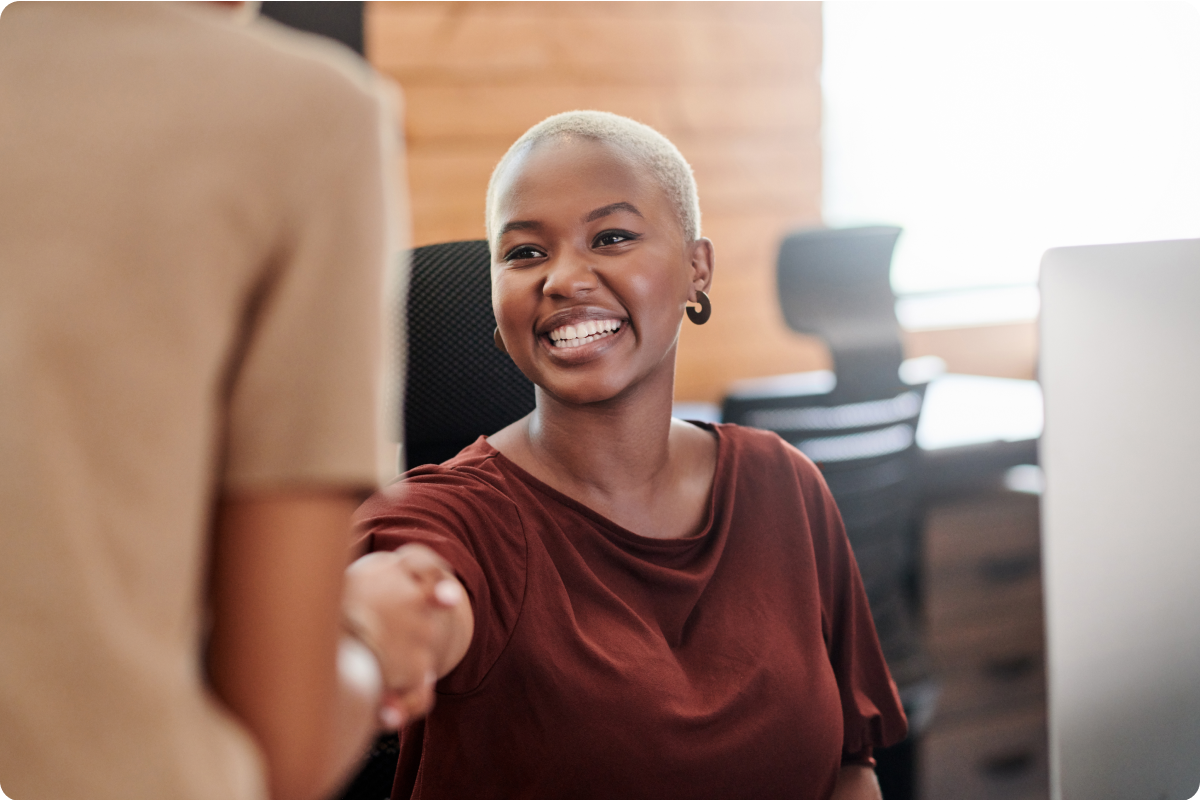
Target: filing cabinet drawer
{"x":1001,"y":758}
{"x":984,"y":633}
{"x":989,"y":668}
{"x":982,"y":562}
{"x":999,"y":529}
{"x":974,"y":597}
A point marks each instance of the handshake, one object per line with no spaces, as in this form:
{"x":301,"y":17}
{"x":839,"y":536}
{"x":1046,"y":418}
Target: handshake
{"x":409,"y":622}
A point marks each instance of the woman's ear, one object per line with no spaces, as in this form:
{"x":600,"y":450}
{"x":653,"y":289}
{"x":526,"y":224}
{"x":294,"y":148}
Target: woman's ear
{"x":702,"y":264}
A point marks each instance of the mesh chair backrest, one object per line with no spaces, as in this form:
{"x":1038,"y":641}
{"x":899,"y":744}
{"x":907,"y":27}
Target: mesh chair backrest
{"x":834,"y":283}
{"x":459,"y":386}
{"x":864,"y":448}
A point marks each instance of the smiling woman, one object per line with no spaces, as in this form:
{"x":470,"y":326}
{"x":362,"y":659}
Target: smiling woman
{"x":661,"y":608}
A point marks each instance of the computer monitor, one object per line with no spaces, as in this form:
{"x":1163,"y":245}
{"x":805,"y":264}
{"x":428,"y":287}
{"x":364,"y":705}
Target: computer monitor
{"x":1120,"y":372}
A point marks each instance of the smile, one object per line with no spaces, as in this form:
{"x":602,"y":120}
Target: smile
{"x":583,"y":333}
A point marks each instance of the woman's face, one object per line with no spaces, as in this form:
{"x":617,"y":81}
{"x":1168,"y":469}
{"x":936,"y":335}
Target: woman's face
{"x":590,"y":271}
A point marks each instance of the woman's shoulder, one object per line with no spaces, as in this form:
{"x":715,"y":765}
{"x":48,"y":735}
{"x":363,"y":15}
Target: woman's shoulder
{"x":761,"y":464}
{"x":474,"y":476}
{"x":468,"y":500}
{"x":752,"y":448}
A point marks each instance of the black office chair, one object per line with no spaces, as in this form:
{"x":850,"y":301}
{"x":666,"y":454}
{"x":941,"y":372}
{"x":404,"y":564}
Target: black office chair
{"x":458,"y":387}
{"x":859,"y":426}
{"x":835,"y":284}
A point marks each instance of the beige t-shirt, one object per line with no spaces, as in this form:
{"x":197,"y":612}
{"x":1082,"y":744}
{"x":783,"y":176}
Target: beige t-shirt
{"x":193,"y":231}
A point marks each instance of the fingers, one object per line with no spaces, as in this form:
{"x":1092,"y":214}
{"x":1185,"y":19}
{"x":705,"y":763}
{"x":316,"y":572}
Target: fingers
{"x":391,"y":717}
{"x":398,"y":708}
{"x":448,"y":592}
{"x":394,"y":577}
{"x":420,"y":559}
{"x":432,"y":572}
{"x":407,"y":642}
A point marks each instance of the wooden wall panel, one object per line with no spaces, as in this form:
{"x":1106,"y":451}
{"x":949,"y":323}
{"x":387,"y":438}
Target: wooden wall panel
{"x":734,"y":85}
{"x":1004,"y":351}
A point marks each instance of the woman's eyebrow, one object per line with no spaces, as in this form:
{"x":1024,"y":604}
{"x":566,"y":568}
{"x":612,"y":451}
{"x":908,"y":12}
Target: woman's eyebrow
{"x":520,"y":225}
{"x":604,"y":211}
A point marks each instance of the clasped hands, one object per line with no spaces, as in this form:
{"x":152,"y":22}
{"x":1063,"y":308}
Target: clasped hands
{"x":407,"y":607}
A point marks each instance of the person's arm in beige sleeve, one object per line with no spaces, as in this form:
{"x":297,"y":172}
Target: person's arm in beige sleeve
{"x":275,"y":586}
{"x":276,"y":592}
{"x":301,"y":412}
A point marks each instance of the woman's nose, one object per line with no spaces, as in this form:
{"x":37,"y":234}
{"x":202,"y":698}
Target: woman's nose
{"x":569,"y":275}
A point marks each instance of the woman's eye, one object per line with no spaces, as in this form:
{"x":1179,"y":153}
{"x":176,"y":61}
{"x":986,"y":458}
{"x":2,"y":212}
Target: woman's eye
{"x":523,"y":252}
{"x":613,"y":237}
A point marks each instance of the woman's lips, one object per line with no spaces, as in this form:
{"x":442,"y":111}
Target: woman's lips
{"x":583,"y":340}
{"x":582,"y":333}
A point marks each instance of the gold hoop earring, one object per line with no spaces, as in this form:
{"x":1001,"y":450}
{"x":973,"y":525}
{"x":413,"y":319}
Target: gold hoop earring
{"x":701,"y":315}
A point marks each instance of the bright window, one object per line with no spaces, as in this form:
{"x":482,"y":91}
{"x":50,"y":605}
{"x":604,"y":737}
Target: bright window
{"x":993,"y":131}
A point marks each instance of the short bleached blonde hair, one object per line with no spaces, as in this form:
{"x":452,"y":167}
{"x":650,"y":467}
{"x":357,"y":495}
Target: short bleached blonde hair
{"x":647,"y":147}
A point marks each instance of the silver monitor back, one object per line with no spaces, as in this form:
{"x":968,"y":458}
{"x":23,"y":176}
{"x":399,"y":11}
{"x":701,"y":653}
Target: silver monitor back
{"x":1120,"y":370}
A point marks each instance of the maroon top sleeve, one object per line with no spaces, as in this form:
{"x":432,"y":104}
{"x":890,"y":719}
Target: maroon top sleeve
{"x":871,"y":709}
{"x":452,"y":510}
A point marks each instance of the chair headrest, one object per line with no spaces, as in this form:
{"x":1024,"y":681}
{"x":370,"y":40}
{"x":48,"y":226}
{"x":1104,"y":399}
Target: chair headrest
{"x":459,"y":386}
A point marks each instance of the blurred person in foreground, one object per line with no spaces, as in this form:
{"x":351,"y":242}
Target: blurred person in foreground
{"x":194,"y":227}
{"x":661,"y":609}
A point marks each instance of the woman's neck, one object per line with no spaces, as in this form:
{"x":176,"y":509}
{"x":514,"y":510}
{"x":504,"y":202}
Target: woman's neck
{"x":625,"y":459}
{"x":612,"y":447}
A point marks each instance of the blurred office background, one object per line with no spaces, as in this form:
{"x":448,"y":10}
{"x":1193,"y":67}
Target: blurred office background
{"x":987,"y":131}
{"x":735,"y":85}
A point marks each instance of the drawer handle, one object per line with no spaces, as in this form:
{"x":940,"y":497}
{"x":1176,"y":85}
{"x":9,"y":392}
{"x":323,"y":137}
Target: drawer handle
{"x":1009,"y":765}
{"x":1010,"y":569}
{"x":1010,"y":669}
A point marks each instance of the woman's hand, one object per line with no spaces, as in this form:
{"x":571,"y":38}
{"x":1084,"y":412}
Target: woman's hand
{"x":410,"y":610}
{"x":856,"y":782}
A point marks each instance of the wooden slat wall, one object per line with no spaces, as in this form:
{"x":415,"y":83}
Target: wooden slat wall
{"x":1004,"y":351}
{"x":734,"y":85}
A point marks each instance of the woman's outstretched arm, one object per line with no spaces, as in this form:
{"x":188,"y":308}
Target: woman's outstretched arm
{"x":857,"y":782}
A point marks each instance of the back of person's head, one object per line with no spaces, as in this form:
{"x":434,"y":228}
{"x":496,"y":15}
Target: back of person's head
{"x":645,"y":146}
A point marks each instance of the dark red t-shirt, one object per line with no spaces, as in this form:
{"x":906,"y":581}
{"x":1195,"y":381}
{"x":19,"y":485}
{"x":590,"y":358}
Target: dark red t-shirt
{"x":740,"y":662}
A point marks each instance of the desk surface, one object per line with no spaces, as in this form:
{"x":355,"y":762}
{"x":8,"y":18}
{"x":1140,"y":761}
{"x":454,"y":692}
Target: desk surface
{"x":962,"y":410}
{"x":959,"y":410}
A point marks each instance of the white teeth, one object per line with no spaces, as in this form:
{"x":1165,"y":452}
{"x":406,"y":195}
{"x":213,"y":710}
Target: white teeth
{"x":583,"y":332}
